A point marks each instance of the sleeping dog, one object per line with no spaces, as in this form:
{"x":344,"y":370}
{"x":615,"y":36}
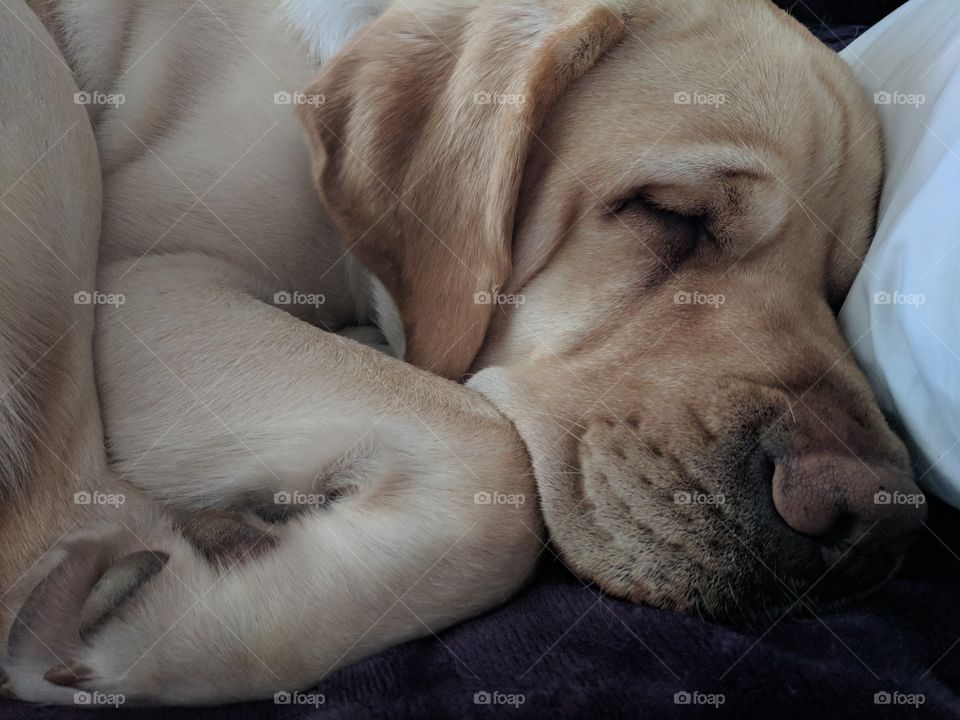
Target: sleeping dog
{"x":626,"y":225}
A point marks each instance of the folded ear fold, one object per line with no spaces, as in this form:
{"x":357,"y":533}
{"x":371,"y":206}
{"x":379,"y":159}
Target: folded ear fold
{"x":420,"y":142}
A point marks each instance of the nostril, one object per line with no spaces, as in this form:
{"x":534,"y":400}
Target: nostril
{"x":762,"y":467}
{"x":844,"y":526}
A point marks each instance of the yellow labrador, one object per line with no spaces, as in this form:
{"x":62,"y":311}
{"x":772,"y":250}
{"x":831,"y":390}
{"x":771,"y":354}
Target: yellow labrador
{"x":627,"y":224}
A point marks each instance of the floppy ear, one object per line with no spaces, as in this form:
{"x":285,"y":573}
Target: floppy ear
{"x":420,"y":135}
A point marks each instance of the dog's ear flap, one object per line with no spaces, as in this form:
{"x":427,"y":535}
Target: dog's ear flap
{"x":420,"y":133}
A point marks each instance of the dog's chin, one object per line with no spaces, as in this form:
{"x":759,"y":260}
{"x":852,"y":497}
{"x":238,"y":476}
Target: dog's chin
{"x":740,"y":590}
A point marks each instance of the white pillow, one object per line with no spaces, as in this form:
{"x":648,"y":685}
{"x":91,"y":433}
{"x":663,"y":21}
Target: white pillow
{"x":903,"y":313}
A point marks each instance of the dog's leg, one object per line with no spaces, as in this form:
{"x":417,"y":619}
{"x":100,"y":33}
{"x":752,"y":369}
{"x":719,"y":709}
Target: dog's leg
{"x":213,"y":399}
{"x":417,"y":503}
{"x":53,"y":467}
{"x":50,"y":203}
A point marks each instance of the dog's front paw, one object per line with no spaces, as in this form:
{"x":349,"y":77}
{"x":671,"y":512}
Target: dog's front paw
{"x":88,"y":632}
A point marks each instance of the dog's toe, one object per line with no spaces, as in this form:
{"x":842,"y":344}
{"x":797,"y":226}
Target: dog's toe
{"x":6,"y":690}
{"x":68,"y":676}
{"x":116,"y":588}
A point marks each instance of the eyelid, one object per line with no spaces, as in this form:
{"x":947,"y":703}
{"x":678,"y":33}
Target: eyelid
{"x":698,"y":221}
{"x":647,"y":200}
{"x":645,"y":203}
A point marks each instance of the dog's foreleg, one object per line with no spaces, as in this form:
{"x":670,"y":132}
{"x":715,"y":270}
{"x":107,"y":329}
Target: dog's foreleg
{"x":427,"y":515}
{"x":213,"y":399}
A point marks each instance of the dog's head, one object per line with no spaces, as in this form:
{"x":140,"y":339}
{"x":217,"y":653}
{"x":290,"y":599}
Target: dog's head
{"x":634,"y":222}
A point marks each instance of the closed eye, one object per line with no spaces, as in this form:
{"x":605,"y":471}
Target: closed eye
{"x":686,"y":232}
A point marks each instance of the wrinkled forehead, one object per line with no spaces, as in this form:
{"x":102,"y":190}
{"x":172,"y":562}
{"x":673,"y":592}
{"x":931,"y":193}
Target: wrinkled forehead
{"x":701,"y":87}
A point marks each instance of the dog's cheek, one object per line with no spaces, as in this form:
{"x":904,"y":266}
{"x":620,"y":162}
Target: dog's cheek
{"x":625,"y":534}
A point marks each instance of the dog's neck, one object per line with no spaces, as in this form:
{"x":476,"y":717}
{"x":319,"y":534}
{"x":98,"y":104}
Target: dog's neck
{"x":326,"y":26}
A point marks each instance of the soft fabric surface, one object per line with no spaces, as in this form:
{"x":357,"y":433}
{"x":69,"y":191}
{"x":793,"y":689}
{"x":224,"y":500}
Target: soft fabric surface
{"x":902,"y":314}
{"x":571,"y":653}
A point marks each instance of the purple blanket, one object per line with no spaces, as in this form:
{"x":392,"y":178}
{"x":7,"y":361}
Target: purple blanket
{"x":563,"y":650}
